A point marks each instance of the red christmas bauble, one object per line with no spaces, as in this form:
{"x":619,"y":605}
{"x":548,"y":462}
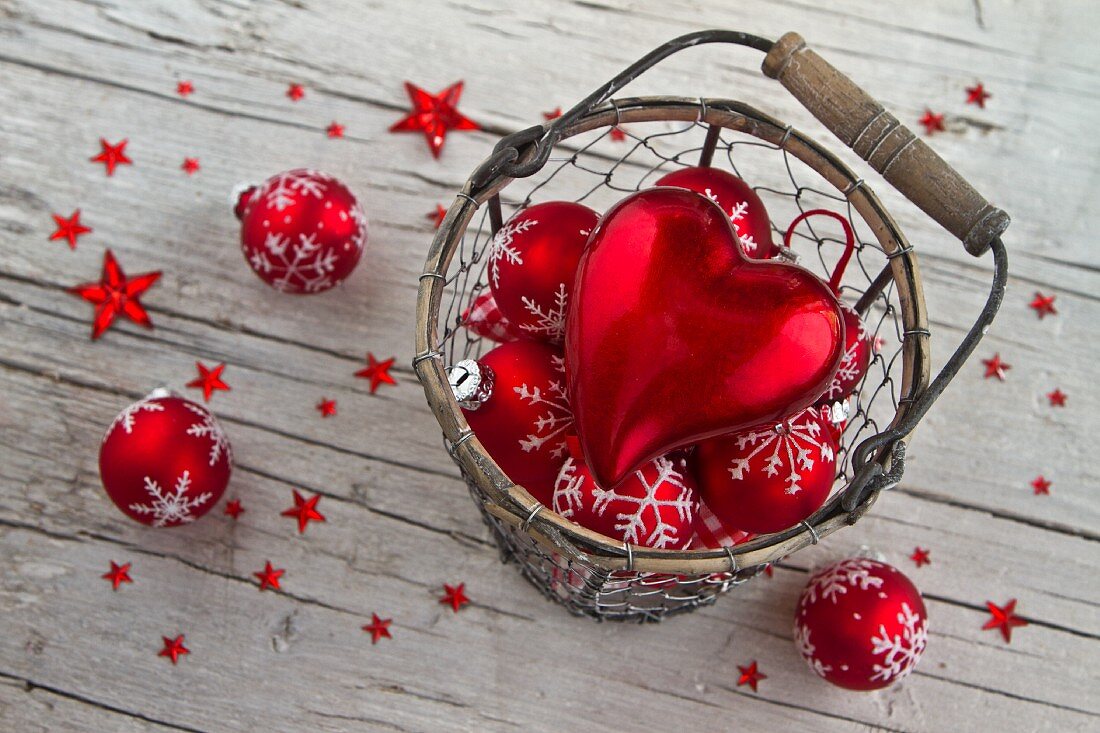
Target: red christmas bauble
{"x":532,"y":263}
{"x":769,"y":478}
{"x":484,"y":318}
{"x":523,"y":420}
{"x":654,"y":507}
{"x":857,"y":357}
{"x":745,"y":209}
{"x":302,"y":231}
{"x":165,"y":460}
{"x":861,"y":624}
{"x":674,"y":336}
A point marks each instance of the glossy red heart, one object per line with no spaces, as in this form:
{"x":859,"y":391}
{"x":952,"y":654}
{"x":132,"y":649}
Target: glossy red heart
{"x":674,"y":336}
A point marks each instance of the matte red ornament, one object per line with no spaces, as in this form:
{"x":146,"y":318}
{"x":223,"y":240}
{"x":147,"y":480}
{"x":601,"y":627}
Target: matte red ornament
{"x":524,"y":421}
{"x":745,"y":209}
{"x":770,"y":478}
{"x":434,"y":115}
{"x":484,"y":318}
{"x":674,"y":336}
{"x":654,"y":507}
{"x":861,"y":624}
{"x":532,"y":264}
{"x":302,"y":231}
{"x":165,"y":460}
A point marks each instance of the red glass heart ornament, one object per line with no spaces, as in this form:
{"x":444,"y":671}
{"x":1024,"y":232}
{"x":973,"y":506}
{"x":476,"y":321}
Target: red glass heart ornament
{"x":745,"y":209}
{"x":674,"y":336}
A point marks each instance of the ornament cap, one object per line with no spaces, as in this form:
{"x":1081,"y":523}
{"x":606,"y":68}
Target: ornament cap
{"x":471,"y":383}
{"x":239,"y":196}
{"x":160,"y":393}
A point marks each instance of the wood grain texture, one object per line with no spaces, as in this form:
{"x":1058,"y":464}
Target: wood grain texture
{"x":76,"y":656}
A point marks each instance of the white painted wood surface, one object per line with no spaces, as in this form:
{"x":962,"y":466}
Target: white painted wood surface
{"x":75,"y":656}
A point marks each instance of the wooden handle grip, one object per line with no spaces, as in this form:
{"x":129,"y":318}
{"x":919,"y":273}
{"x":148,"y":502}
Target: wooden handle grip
{"x":887,"y":145}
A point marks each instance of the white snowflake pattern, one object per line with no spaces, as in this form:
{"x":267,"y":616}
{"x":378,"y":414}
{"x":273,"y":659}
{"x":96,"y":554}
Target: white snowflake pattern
{"x":126,"y":417}
{"x":308,"y":266}
{"x":550,"y":321}
{"x":210,"y":429}
{"x":737,"y":216}
{"x":171,"y":506}
{"x":849,"y":370}
{"x":834,"y":580}
{"x":806,"y":648}
{"x":795,"y":445}
{"x":550,"y":426}
{"x":305,"y":182}
{"x":902,"y":651}
{"x":504,"y":247}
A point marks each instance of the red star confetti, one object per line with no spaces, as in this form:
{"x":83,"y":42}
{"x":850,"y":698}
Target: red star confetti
{"x":234,"y":509}
{"x":173,"y":648}
{"x":618,"y":134}
{"x":932,"y":122}
{"x":184,"y":88}
{"x":269,"y":576}
{"x":1057,"y":398}
{"x":209,"y":380}
{"x":769,"y":571}
{"x":454,"y":596}
{"x":434,"y":115}
{"x":920,"y":557}
{"x":69,"y":229}
{"x":1003,"y":618}
{"x":190,"y":166}
{"x":326,"y":407}
{"x":1043,"y":305}
{"x":877,"y":343}
{"x":977,"y":95}
{"x":295,"y":92}
{"x":1041,"y":486}
{"x":437,"y":216}
{"x":334,"y":130}
{"x":115,"y":294}
{"x":304,"y":510}
{"x":552,"y":114}
{"x":118,"y":574}
{"x":995,"y":367}
{"x":750,"y":675}
{"x":378,"y":372}
{"x":112,"y":156}
{"x":378,"y":628}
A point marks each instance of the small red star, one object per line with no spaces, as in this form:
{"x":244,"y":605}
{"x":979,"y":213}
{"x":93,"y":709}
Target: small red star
{"x":114,"y":294}
{"x":269,"y":576}
{"x":326,"y":407}
{"x":335,"y":129}
{"x":920,"y":557}
{"x":1004,"y":618}
{"x":209,"y":380}
{"x":173,"y":648}
{"x":437,"y":216}
{"x":877,"y":343}
{"x":1043,"y":305}
{"x":995,"y":367}
{"x":295,"y":92}
{"x":69,"y":229}
{"x":750,"y":675}
{"x":1041,"y":486}
{"x":379,"y":628}
{"x":304,"y":510}
{"x":378,"y":372}
{"x":1057,"y":398}
{"x":118,"y":574}
{"x":184,"y":88}
{"x":234,"y":509}
{"x":977,"y":95}
{"x":112,"y":155}
{"x":454,"y":596}
{"x":932,"y":122}
{"x":769,"y":571}
{"x":618,"y":134}
{"x":552,"y":114}
{"x":190,"y":166}
{"x":434,"y":115}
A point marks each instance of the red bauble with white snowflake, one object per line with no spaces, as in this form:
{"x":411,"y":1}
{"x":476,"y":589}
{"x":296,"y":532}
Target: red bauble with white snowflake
{"x":523,"y":417}
{"x":737,"y":199}
{"x":165,"y":460}
{"x":532,"y":262}
{"x":653,"y":507}
{"x":861,"y":624}
{"x":770,"y":478}
{"x":856,"y":359}
{"x":302,"y":231}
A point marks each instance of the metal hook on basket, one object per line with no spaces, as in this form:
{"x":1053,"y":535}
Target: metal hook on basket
{"x":629,"y":555}
{"x":530,"y":517}
{"x":733,"y":560}
{"x":814,"y":539}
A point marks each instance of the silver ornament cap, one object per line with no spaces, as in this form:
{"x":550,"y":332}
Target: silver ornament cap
{"x":471,"y":383}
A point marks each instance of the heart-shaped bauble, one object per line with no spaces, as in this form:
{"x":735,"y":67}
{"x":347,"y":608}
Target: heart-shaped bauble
{"x":674,"y":336}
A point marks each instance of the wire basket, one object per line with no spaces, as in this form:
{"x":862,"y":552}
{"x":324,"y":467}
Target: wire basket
{"x":575,"y":157}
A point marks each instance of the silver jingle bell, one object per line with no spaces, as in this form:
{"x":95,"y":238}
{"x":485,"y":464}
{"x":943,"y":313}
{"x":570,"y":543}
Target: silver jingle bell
{"x":471,"y":383}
